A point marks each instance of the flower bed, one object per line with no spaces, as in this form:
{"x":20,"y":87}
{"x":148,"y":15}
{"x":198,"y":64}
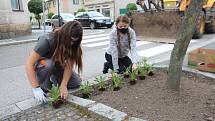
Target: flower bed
{"x":150,"y":99}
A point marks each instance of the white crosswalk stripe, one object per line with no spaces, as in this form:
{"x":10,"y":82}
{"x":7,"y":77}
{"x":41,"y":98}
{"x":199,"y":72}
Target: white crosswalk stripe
{"x":155,"y":50}
{"x":97,"y":44}
{"x":93,"y":36}
{"x":102,"y":40}
{"x":94,"y":40}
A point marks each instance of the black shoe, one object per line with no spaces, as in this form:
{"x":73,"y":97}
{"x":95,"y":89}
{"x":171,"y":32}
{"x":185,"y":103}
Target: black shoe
{"x":106,"y":67}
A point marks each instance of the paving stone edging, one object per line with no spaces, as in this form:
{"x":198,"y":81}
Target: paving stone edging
{"x":110,"y":114}
{"x":100,"y":110}
{"x":198,"y":73}
{"x":91,"y":106}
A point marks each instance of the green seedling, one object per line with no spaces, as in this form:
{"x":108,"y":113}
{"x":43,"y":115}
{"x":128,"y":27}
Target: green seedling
{"x":142,"y":74}
{"x":133,"y":77}
{"x":116,"y":81}
{"x":86,"y":89}
{"x":55,"y":99}
{"x":149,"y":69}
{"x":101,"y":83}
{"x":127,"y":72}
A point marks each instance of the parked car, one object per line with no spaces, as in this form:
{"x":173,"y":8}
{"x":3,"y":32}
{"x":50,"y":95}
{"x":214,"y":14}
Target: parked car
{"x":93,"y":20}
{"x":48,"y":22}
{"x":65,"y":17}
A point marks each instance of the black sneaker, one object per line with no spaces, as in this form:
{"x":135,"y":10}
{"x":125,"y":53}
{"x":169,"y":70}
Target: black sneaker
{"x":105,"y":68}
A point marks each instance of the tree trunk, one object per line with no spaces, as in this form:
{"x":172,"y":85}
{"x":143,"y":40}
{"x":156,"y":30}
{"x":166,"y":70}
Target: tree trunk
{"x":183,"y":38}
{"x":38,"y":20}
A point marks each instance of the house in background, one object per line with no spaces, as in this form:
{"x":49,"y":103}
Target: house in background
{"x":66,"y":6}
{"x":120,"y":6}
{"x":109,"y":8}
{"x":14,"y":20}
{"x":106,"y":7}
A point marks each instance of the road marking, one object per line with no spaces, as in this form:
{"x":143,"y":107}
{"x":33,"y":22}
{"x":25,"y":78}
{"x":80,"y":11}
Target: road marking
{"x":94,"y":40}
{"x":139,"y":43}
{"x":93,"y":36}
{"x":97,"y":44}
{"x":158,"y":50}
{"x":155,"y":50}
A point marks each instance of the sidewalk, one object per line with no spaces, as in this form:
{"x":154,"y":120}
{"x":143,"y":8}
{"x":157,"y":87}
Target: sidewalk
{"x":24,"y":39}
{"x":34,"y":36}
{"x":47,"y":113}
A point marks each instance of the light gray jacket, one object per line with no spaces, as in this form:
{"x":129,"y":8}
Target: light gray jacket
{"x":113,"y":50}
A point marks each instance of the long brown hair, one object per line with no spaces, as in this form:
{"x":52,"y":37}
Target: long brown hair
{"x":67,"y":45}
{"x":123,"y":19}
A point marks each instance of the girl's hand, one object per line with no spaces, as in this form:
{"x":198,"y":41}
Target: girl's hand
{"x":63,"y":92}
{"x":134,"y":66}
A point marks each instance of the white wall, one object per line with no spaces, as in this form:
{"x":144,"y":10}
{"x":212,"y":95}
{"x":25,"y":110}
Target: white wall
{"x":122,"y":4}
{"x":13,"y":17}
{"x":74,"y":8}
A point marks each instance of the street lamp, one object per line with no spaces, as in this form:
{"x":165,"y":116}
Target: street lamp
{"x":44,"y":21}
{"x":58,"y":11}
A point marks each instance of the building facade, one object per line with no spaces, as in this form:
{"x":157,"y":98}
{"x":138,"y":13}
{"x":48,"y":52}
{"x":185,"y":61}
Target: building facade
{"x":15,"y":18}
{"x":106,"y":7}
{"x":120,"y":6}
{"x":109,"y":8}
{"x":66,"y":6}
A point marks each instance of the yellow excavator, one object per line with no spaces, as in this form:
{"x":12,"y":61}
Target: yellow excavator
{"x":162,"y":19}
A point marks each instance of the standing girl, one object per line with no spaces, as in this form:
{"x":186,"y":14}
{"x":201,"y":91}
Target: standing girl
{"x":53,"y":59}
{"x":122,"y":40}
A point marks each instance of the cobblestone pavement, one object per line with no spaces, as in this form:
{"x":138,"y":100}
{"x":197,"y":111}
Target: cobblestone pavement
{"x":47,"y":113}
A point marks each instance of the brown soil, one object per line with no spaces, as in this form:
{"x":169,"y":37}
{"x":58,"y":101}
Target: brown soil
{"x":150,"y":99}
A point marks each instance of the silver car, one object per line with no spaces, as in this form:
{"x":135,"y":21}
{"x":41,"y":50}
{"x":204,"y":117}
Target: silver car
{"x":64,"y":18}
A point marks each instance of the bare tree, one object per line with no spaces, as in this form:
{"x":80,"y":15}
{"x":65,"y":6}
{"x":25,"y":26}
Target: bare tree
{"x":183,"y":38}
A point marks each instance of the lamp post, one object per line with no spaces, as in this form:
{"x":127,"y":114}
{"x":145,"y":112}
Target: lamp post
{"x":44,"y":17}
{"x":58,"y":11}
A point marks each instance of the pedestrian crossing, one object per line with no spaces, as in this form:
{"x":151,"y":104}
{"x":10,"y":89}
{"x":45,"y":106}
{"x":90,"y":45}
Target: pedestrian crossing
{"x":145,"y":48}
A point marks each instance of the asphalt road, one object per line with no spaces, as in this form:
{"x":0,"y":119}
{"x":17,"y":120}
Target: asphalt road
{"x":14,"y":86}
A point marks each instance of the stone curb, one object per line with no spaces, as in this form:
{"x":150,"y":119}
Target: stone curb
{"x":192,"y":71}
{"x":110,"y":114}
{"x":16,"y":42}
{"x":31,"y":102}
{"x":100,"y":110}
{"x":9,"y":110}
{"x":18,"y":107}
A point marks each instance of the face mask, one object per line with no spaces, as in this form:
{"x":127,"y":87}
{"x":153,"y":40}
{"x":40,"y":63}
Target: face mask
{"x":123,"y":30}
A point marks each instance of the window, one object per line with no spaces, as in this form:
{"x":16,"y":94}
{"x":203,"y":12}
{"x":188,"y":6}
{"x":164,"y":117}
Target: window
{"x":85,"y":16}
{"x":106,"y":12}
{"x":54,"y":2}
{"x":79,"y":15}
{"x":95,"y":14}
{"x":98,"y":10}
{"x":76,"y":2}
{"x":16,"y":5}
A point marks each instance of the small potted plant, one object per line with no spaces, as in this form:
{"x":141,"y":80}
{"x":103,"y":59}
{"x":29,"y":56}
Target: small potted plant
{"x":142,"y":74}
{"x":54,"y":97}
{"x":116,"y":81}
{"x":149,"y":69}
{"x":133,"y":77}
{"x":86,"y":90}
{"x":101,"y":83}
{"x":141,"y":64}
{"x":127,"y":72}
